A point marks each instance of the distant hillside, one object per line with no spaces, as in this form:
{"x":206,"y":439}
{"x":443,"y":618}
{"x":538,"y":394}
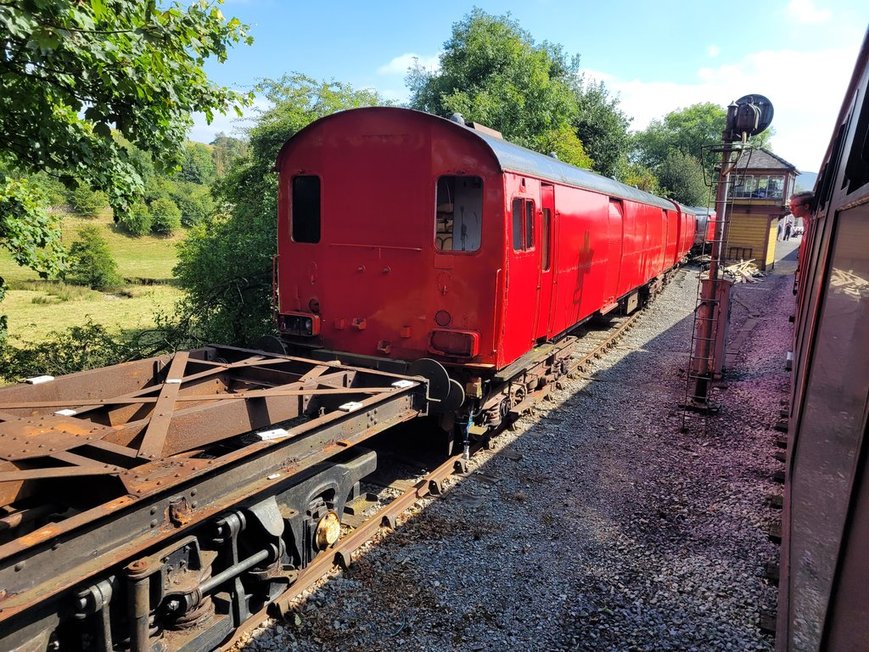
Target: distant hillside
{"x":806,"y":181}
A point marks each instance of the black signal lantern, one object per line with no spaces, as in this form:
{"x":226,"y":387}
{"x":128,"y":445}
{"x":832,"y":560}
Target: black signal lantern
{"x":299,"y":324}
{"x":748,"y":116}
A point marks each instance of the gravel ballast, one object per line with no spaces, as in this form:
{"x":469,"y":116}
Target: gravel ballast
{"x":596,"y":524}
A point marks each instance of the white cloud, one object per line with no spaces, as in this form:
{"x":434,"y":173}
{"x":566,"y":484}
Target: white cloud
{"x":804,"y":11}
{"x":713,"y":51}
{"x":230,"y":123}
{"x":805,"y":88}
{"x":404,"y":62}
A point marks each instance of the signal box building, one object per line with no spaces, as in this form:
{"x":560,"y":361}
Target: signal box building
{"x":762,"y":184}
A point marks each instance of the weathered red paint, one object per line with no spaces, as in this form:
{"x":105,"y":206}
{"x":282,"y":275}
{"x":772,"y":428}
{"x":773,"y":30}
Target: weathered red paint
{"x":376,"y":263}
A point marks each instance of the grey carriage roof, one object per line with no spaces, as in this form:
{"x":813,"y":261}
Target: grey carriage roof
{"x":518,"y":159}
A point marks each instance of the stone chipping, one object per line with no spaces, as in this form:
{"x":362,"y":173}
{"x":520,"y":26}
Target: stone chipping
{"x":596,"y":524}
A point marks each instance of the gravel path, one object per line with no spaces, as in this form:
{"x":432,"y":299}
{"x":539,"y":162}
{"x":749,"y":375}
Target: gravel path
{"x":596,"y":524}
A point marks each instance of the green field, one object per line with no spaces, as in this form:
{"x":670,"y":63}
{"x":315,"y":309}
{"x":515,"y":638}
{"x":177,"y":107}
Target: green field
{"x":36,"y":307}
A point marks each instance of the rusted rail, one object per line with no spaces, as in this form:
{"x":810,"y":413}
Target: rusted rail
{"x":578,"y":351}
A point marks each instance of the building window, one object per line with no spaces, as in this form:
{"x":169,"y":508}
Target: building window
{"x":458,"y":213}
{"x":306,"y":209}
{"x":759,"y":186}
{"x":523,"y":224}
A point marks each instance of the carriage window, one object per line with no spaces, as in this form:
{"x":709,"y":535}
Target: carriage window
{"x":529,"y":225}
{"x":306,"y":209}
{"x":459,"y":208}
{"x":546,"y":228}
{"x":517,"y":225}
{"x":523,"y":224}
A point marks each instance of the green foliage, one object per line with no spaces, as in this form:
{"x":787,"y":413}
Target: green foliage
{"x":681,"y":177}
{"x":50,"y":188}
{"x":692,"y":131}
{"x":197,"y":164}
{"x":76,"y":349}
{"x":225,"y":262}
{"x":136,"y":220}
{"x":165,"y":216}
{"x":194,"y":202}
{"x":224,"y":150}
{"x":638,"y":176}
{"x":565,"y":145}
{"x":86,"y":202}
{"x":29,"y":232}
{"x":91,"y":262}
{"x":27,"y":229}
{"x":492,"y":72}
{"x":74,"y":71}
{"x":601,"y":126}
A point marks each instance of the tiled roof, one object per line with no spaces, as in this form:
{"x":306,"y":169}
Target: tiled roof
{"x":762,"y":159}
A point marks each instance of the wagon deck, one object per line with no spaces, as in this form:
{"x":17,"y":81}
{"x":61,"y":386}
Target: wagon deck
{"x":97,"y":466}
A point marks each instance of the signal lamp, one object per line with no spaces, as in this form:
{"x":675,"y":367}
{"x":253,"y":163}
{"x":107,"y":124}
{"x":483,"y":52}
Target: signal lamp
{"x":300,"y":324}
{"x":461,"y":344}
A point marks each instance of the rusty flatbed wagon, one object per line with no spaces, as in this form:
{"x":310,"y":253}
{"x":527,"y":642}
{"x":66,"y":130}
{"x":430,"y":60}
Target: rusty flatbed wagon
{"x":156,"y":504}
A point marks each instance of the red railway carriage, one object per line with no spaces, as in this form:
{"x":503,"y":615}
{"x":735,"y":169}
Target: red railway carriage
{"x":705,"y":226}
{"x":402,"y":235}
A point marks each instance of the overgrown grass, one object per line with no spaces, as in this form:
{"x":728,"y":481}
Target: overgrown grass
{"x":36,"y":307}
{"x":146,"y":257}
{"x":33,"y":314}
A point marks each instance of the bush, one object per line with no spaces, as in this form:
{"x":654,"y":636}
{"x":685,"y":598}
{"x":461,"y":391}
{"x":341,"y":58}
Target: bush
{"x":53,"y":190}
{"x":194,"y":202}
{"x":91,"y":262}
{"x":86,"y":202}
{"x":137,"y":220}
{"x":76,"y":349}
{"x":165,"y":216}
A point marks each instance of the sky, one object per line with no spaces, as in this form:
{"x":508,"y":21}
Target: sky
{"x":655,"y":56}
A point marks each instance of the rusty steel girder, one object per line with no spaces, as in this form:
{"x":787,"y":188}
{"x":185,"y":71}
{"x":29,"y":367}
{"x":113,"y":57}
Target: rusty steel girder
{"x":98,"y":468}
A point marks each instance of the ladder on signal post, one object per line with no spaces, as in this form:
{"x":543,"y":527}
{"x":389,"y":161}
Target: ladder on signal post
{"x":709,"y":327}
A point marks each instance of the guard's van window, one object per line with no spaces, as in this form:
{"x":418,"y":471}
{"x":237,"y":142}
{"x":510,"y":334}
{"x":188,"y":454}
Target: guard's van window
{"x":305,"y":216}
{"x":458,"y":213}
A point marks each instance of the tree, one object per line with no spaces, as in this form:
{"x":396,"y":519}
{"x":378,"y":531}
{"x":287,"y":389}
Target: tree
{"x":681,"y":177}
{"x":197,"y":164}
{"x":71,"y":72}
{"x":492,"y":72}
{"x":28,"y":231}
{"x":91,"y":262}
{"x":165,"y":216}
{"x":85,"y":202}
{"x":136,"y":220}
{"x":194,"y":202}
{"x":601,"y":126}
{"x":638,"y":176}
{"x":224,"y":150}
{"x":224,"y":264}
{"x":692,"y":131}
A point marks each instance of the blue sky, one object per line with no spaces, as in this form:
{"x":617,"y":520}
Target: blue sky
{"x":657,"y":56}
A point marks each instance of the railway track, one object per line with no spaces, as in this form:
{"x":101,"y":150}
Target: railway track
{"x":179,"y":501}
{"x":385,"y":511}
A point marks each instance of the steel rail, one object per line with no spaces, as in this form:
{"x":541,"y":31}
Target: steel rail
{"x":341,"y":555}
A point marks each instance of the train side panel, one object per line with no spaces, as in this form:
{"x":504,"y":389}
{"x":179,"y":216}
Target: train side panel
{"x":582,"y":256}
{"x":824,"y":587}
